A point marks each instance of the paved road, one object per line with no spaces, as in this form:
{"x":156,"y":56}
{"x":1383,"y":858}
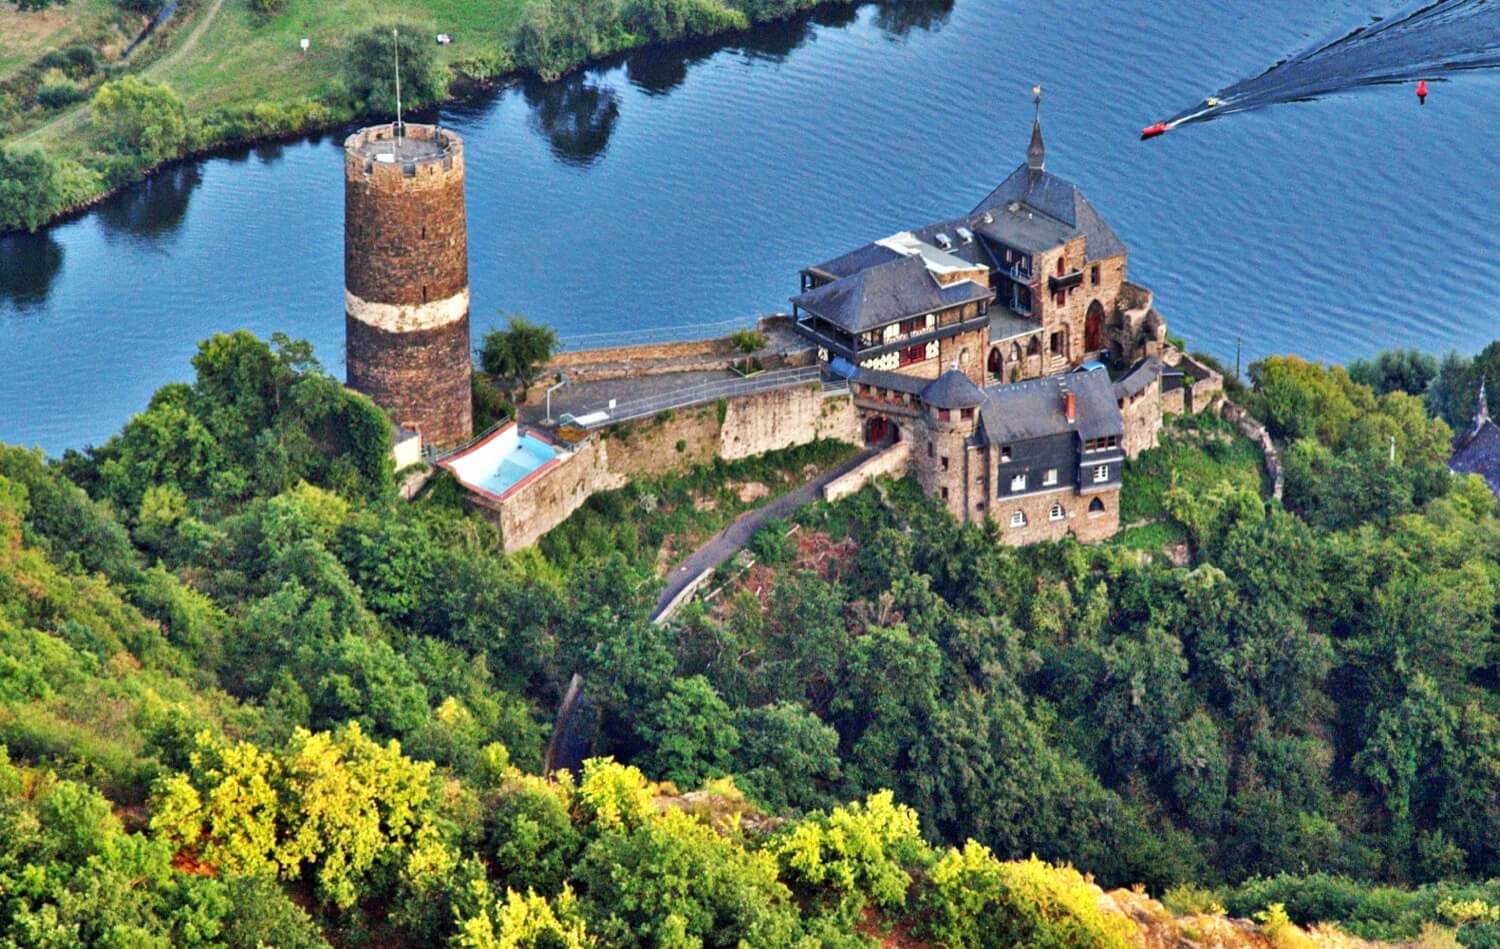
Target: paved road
{"x":727,"y":542}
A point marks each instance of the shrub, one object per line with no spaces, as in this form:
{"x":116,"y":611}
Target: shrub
{"x":30,"y":191}
{"x":141,"y":119}
{"x":972,"y":899}
{"x":57,"y":91}
{"x":771,"y":545}
{"x":748,"y":341}
{"x":670,"y":19}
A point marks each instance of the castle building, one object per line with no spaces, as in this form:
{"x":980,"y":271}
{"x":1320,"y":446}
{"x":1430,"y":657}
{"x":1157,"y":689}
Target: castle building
{"x":406,"y":278}
{"x":1009,"y":349}
{"x":1476,"y":450}
{"x":1029,"y":283}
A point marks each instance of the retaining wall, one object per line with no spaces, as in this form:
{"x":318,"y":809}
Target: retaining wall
{"x":894,"y":462}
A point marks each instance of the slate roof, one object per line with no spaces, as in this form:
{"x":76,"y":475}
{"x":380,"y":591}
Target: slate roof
{"x":1138,"y":378}
{"x":897,"y":381}
{"x":1034,"y":408}
{"x":886,"y":293}
{"x":953,"y":390}
{"x":1058,"y":199}
{"x":1477,"y":451}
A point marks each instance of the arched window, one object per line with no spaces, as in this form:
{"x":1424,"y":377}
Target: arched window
{"x":996,"y":363}
{"x":1018,"y":519}
{"x":1056,"y":514}
{"x":1096,"y":506}
{"x":1034,"y":347}
{"x":1061,"y":266}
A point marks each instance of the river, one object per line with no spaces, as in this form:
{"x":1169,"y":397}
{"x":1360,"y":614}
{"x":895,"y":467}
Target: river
{"x":671,"y":191}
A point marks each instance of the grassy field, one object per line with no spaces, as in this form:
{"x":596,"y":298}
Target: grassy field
{"x":27,"y":36}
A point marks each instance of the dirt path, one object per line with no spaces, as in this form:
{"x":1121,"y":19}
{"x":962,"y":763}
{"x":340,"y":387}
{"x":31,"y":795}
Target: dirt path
{"x":70,"y":120}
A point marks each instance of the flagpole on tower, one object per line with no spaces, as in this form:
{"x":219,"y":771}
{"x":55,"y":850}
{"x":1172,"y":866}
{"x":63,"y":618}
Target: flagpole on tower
{"x":396,"y":43}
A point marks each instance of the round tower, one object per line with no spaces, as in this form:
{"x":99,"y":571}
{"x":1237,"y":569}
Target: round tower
{"x":406,"y":278}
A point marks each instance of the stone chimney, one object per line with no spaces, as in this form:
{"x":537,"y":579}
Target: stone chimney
{"x":1070,"y":406}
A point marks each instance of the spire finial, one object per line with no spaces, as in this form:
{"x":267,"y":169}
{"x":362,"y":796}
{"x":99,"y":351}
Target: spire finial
{"x":1036,"y":155}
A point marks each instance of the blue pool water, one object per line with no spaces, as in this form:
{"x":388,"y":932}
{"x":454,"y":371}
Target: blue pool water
{"x":528,"y":455}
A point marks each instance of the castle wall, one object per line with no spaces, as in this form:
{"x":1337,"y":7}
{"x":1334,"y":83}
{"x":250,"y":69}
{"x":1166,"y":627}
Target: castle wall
{"x":1143,"y":414}
{"x":540,"y":505}
{"x":752,"y":425}
{"x":893,"y":462}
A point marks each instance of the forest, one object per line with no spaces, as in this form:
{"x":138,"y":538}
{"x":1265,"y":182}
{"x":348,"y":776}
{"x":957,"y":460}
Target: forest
{"x":248,"y":696}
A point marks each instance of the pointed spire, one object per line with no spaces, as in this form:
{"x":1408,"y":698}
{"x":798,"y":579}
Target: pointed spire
{"x":1036,"y":155}
{"x":1483,"y":414}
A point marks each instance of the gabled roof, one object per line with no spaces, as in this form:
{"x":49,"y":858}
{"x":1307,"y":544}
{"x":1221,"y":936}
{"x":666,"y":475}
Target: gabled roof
{"x":953,"y":390}
{"x":1478,"y":452}
{"x":1059,"y":199}
{"x":1034,"y":408}
{"x":886,"y":293}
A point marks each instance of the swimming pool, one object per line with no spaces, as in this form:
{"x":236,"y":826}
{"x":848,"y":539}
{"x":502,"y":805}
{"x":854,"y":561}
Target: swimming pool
{"x":500,"y":462}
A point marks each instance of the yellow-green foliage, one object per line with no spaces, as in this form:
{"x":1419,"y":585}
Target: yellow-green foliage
{"x":856,"y":851}
{"x":340,"y":803}
{"x":975,"y":900}
{"x":524,"y":922}
{"x":1278,"y":927}
{"x":614,"y":796}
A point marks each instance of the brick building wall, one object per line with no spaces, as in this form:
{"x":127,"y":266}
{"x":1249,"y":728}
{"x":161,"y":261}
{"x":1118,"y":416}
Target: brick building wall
{"x":1089,"y":527}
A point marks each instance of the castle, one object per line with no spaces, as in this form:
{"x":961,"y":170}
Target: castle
{"x":1001,"y":358}
{"x":1008,"y":347}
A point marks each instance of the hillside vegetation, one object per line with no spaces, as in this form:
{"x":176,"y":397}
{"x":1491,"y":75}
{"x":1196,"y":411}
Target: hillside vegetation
{"x":248,"y":696}
{"x":233,"y":71}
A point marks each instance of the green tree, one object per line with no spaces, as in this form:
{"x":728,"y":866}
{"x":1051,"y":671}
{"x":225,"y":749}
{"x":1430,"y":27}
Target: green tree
{"x":516,"y":354}
{"x":1396,"y":370}
{"x":29,"y":189}
{"x":140,"y":118}
{"x":689,"y":734}
{"x":370,"y":69}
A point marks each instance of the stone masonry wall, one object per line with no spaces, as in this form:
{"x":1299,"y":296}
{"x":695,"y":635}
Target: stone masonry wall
{"x":546,"y":502}
{"x":421,"y":377}
{"x":1088,"y":528}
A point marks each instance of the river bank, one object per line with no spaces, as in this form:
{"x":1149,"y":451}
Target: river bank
{"x":72,"y":172}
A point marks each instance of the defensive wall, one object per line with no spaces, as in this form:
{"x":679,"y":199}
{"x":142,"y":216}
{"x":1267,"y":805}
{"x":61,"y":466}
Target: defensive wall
{"x":731,"y":428}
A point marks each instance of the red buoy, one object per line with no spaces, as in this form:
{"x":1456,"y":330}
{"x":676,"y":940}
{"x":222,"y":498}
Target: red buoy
{"x":1422,"y":91}
{"x":1151,"y":131}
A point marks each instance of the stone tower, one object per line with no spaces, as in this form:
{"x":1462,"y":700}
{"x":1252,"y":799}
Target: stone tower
{"x":406,"y":278}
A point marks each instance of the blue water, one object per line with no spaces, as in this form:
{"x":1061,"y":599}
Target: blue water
{"x":668,"y":193}
{"x":529,"y":454}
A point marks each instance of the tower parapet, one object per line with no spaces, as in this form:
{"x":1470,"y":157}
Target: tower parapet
{"x":406,"y":277}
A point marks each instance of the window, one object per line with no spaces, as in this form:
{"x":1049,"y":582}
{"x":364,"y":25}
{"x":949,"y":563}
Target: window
{"x":1094,"y":275}
{"x":1057,"y":344}
{"x":1004,"y":453}
{"x":1050,"y":478}
{"x":1060,"y":297}
{"x":1100,"y":444}
{"x":1096,"y":506}
{"x":1061,"y":266}
{"x":913,"y":354}
{"x":1018,"y":519}
{"x":1018,"y":483}
{"x":966,"y":414}
{"x":929,"y":449}
{"x":943,"y":463}
{"x":1056,"y":514}
{"x":1101,"y":473}
{"x":944,"y":493}
{"x":944,"y":415}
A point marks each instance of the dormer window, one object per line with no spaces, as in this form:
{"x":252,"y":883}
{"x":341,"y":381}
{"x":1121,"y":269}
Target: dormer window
{"x":1101,"y":473}
{"x":966,"y":414}
{"x":1050,"y":478}
{"x":1018,"y":483}
{"x":1004,"y":454}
